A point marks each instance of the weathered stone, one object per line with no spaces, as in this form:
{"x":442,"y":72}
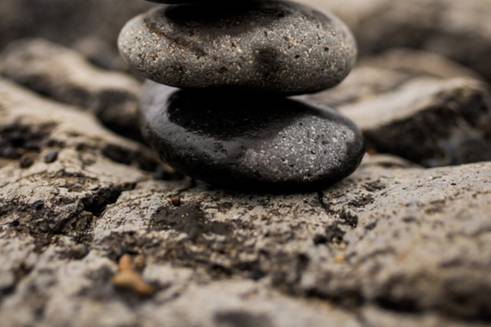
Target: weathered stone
{"x":415,"y":115}
{"x":460,"y":30}
{"x":86,"y":176}
{"x":419,"y":63}
{"x":60,"y":291}
{"x":66,"y":76}
{"x":408,"y":238}
{"x":271,"y":46}
{"x":374,"y":238}
{"x":391,"y":237}
{"x":84,"y":21}
{"x":250,"y":141}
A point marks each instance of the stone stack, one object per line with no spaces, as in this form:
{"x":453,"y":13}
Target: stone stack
{"x":227,"y":67}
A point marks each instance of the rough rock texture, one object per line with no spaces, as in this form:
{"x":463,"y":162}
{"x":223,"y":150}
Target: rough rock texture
{"x":66,"y":76}
{"x":424,"y":114}
{"x":460,"y":30}
{"x":91,"y":26}
{"x":394,"y":243}
{"x":380,"y":237}
{"x":418,"y":62}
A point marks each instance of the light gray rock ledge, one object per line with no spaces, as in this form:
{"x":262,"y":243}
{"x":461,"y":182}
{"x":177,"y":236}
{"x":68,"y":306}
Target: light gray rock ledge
{"x":392,"y":244}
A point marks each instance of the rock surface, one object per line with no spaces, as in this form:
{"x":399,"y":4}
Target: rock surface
{"x":419,"y":63}
{"x":250,"y":142}
{"x":415,"y":114}
{"x":94,"y":231}
{"x":460,"y":30}
{"x":393,"y":243}
{"x":269,"y":46}
{"x":65,"y":75}
{"x":88,"y":25}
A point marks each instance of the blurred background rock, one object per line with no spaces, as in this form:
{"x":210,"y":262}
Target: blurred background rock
{"x":90,"y":26}
{"x":459,"y":30}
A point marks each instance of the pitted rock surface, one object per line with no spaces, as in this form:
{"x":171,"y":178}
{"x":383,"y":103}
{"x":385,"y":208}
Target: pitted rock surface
{"x":67,"y":76}
{"x":456,"y":29}
{"x":433,"y":116}
{"x":391,"y":237}
{"x":270,"y":46}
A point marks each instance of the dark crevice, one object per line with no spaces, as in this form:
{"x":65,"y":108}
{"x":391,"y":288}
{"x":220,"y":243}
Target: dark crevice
{"x":23,"y":142}
{"x":320,"y":197}
{"x":20,"y":272}
{"x":360,"y":317}
{"x":97,"y":203}
{"x":141,"y":159}
{"x":334,"y":233}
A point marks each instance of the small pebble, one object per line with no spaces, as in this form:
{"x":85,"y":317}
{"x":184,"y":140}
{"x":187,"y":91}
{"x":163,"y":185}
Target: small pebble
{"x":38,"y":204}
{"x":51,"y":157}
{"x":128,"y":278}
{"x":26,"y":162}
{"x":175,"y":201}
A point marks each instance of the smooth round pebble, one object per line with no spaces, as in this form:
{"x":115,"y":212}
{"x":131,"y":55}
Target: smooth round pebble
{"x":250,"y":141}
{"x":271,"y":46}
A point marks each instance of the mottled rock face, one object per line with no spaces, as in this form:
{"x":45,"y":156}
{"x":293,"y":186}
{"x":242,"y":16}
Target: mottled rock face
{"x":389,"y":239}
{"x":250,"y":141}
{"x":95,"y":230}
{"x":90,"y":26}
{"x":67,"y":76}
{"x":419,"y":115}
{"x":271,"y":46}
{"x":460,"y":30}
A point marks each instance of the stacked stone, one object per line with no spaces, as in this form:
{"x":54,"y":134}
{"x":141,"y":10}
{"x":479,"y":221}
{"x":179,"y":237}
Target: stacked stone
{"x":227,"y":67}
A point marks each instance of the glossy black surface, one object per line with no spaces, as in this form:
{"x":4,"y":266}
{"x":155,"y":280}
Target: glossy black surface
{"x":250,"y":141}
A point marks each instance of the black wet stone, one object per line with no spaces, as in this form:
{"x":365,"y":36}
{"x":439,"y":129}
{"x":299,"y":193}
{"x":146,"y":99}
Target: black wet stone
{"x":269,"y":46}
{"x":26,"y":162}
{"x":250,"y":141}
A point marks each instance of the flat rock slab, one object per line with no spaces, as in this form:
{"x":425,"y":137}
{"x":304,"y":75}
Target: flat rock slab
{"x":67,"y":76}
{"x":43,"y":138}
{"x":396,"y":237}
{"x":392,"y":237}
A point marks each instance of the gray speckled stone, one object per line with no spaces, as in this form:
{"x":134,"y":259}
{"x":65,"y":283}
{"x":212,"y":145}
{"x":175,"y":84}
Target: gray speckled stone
{"x":273,"y":46}
{"x":246,"y":142}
